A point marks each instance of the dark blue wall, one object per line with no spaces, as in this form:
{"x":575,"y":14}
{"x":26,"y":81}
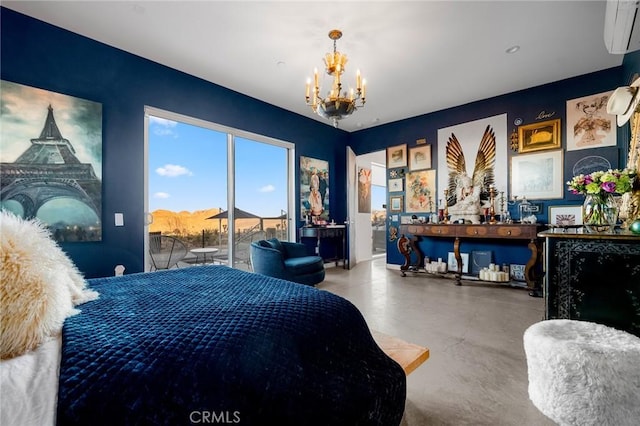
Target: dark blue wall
{"x":40,"y":55}
{"x":524,"y":105}
{"x":37,"y":54}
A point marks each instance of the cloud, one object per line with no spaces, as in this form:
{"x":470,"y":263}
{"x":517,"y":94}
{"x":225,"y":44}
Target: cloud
{"x":267,"y":188}
{"x":162,"y":126}
{"x":173,"y":170}
{"x":161,"y":195}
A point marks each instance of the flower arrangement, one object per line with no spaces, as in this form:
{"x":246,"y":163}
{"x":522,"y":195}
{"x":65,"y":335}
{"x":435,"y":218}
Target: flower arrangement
{"x":600,"y":212}
{"x":602,"y":183}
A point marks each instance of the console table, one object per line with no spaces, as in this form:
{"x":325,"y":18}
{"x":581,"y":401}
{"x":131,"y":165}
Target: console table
{"x":593,"y":277}
{"x":336,"y":234}
{"x":459,"y":232}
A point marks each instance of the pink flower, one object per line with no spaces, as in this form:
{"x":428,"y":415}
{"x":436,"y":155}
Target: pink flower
{"x":608,"y":186}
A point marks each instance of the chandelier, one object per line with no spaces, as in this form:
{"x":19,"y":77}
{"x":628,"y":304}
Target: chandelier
{"x":337,"y":104}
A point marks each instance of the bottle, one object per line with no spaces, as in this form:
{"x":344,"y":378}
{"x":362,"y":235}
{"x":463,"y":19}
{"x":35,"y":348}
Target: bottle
{"x":524,"y":208}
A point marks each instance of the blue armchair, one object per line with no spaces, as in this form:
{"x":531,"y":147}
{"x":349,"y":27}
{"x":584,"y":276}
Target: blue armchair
{"x":286,"y":260}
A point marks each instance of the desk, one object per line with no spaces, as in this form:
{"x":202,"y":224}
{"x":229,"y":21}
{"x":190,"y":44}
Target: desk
{"x":526,"y":232}
{"x":593,"y":277}
{"x":323,"y":234}
{"x":204,"y":251}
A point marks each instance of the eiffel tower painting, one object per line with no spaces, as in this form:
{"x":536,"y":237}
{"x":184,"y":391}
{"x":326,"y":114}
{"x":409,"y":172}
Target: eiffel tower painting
{"x":51,"y":177}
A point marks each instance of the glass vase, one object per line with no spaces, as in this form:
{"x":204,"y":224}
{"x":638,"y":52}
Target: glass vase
{"x":600,"y":213}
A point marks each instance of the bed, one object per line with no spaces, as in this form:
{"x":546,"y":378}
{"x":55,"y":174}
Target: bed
{"x":206,"y":344}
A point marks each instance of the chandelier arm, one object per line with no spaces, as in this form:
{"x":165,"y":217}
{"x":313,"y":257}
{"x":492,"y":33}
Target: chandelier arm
{"x":336,"y":105}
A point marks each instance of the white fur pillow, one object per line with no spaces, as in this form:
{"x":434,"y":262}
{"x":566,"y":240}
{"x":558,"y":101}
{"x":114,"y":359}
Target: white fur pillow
{"x":39,"y":285}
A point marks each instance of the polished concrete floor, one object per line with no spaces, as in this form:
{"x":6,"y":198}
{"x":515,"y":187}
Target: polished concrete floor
{"x":477,"y":371}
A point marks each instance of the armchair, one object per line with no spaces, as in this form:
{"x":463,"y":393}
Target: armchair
{"x":286,"y":260}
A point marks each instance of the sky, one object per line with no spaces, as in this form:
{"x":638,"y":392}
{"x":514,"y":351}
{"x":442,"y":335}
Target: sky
{"x":188,"y":171}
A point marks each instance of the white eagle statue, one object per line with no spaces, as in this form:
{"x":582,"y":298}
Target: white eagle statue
{"x":467,"y":196}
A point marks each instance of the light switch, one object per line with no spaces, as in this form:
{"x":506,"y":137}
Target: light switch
{"x":119,"y":219}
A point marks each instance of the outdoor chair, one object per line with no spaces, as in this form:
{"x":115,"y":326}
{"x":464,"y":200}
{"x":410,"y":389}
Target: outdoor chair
{"x":165,"y":251}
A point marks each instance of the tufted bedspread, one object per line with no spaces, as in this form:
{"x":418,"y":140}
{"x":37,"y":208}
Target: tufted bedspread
{"x":212,"y":344}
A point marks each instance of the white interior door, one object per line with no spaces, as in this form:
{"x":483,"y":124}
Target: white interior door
{"x":351,"y":205}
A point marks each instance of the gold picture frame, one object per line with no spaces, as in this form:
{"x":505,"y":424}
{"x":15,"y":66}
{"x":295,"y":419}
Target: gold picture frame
{"x":396,"y":203}
{"x":539,"y":136}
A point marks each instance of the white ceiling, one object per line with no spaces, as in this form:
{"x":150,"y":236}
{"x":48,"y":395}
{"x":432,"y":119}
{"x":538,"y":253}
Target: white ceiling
{"x":418,"y":56}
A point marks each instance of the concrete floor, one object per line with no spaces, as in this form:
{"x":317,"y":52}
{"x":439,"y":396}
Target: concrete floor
{"x":477,"y":371}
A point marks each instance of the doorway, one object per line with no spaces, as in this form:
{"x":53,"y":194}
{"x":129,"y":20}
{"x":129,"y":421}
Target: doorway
{"x":370,"y":221}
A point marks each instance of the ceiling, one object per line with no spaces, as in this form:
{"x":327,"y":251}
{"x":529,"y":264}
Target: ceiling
{"x":417,"y":57}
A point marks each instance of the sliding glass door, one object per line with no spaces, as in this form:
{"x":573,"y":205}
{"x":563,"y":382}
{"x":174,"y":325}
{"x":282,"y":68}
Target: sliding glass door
{"x":214,"y":190}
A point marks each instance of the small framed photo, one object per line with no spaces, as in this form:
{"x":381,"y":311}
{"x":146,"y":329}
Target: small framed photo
{"x":565,"y":215}
{"x":395,"y":185}
{"x":420,"y":157}
{"x":396,"y":203}
{"x":516,"y":272}
{"x":397,"y":156}
{"x":537,"y":176}
{"x":452,"y":263}
{"x":539,"y":136}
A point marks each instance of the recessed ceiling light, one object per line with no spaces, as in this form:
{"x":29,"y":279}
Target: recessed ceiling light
{"x":513,"y":49}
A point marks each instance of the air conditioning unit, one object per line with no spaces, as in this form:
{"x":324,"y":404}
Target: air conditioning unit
{"x":622,"y":26}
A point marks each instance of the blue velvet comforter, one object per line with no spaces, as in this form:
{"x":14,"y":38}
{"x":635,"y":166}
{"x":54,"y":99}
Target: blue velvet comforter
{"x":214,"y":345}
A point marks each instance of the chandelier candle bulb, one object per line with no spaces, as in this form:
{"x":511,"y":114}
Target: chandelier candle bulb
{"x":308,"y":88}
{"x":358,"y":80}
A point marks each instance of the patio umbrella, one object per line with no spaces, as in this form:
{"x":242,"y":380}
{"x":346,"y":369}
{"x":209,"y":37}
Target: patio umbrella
{"x":237,"y":214}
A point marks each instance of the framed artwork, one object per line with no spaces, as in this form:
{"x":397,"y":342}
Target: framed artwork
{"x":397,"y":156}
{"x":420,"y":157}
{"x":395,"y":185}
{"x":588,"y":124}
{"x":364,"y":190}
{"x":51,"y":155}
{"x":452,"y":263}
{"x":469,"y":136}
{"x":480,"y":259}
{"x":516,"y":272}
{"x":565,"y":215}
{"x":314,"y":184}
{"x":539,"y":136}
{"x":588,"y":161}
{"x":537,"y":176}
{"x":421,"y":191}
{"x":396,"y":203}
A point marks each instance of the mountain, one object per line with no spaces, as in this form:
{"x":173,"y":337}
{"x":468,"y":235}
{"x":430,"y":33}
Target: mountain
{"x":185,"y":222}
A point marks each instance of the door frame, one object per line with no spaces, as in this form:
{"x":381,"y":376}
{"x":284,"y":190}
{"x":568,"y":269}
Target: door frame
{"x":231,"y":134}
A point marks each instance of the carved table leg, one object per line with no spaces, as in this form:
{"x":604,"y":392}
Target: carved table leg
{"x":456,"y":252}
{"x":405,"y":250}
{"x":419,"y":255}
{"x":405,"y":247}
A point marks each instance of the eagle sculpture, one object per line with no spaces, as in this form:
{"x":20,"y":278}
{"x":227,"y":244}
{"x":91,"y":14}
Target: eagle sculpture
{"x":483,"y":171}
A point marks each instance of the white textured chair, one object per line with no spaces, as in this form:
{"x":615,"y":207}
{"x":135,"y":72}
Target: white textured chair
{"x":583,"y":373}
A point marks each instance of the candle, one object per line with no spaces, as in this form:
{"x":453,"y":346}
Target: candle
{"x":308,"y":88}
{"x":364,"y":89}
{"x":358,"y":80}
{"x":315,"y":77}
